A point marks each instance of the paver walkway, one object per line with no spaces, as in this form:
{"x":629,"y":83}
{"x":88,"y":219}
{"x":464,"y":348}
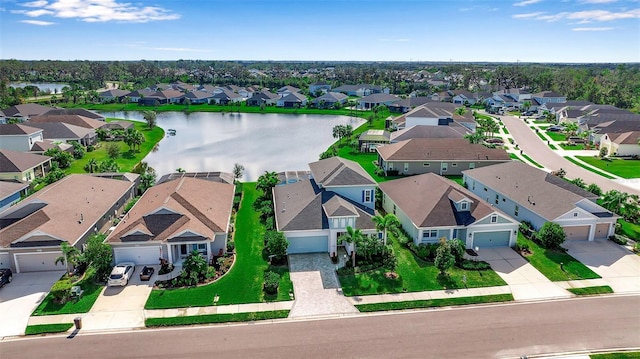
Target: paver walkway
{"x":316,"y":287}
{"x":525,"y":282}
{"x":618,"y":267}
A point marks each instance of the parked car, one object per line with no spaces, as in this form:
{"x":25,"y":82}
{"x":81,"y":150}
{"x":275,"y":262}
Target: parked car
{"x":6,"y":276}
{"x":555,"y":129}
{"x":120,"y":274}
{"x":146,"y":273}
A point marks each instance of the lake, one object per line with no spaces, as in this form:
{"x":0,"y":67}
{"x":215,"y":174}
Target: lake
{"x":46,"y":87}
{"x":206,"y":141}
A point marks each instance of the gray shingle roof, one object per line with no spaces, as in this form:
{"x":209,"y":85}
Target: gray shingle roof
{"x":422,"y":131}
{"x":13,"y":162}
{"x":337,"y":171}
{"x":17,"y":129}
{"x":433,"y":149}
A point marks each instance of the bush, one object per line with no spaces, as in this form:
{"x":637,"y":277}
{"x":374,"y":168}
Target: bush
{"x":277,"y":245}
{"x":424,"y":251}
{"x":473,"y":265}
{"x":224,"y":263}
{"x":194,"y":269}
{"x":61,"y":291}
{"x":90,"y":148}
{"x":458,"y":249}
{"x":271,"y":282}
{"x":619,"y":239}
{"x":551,"y":235}
{"x":231,"y":246}
{"x":523,"y":247}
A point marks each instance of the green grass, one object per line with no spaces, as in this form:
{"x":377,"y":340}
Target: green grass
{"x":578,"y":163}
{"x":541,"y":136}
{"x":541,"y":122}
{"x":47,"y":328}
{"x":626,"y":355}
{"x":415,"y":275}
{"x":532,"y":161}
{"x":629,"y":229}
{"x":619,"y":167}
{"x":243,"y":283}
{"x":576,"y":147}
{"x":602,"y":289}
{"x":556,"y":136}
{"x":430,"y":303}
{"x":514,"y":157}
{"x":215,"y":318}
{"x":128,"y":159}
{"x":552,"y":146}
{"x":504,"y":129}
{"x":83,"y":305}
{"x":548,"y":262}
{"x":457,"y":179}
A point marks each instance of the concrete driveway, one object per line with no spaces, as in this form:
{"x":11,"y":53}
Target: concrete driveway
{"x":525,"y":282}
{"x":20,"y":298}
{"x":618,"y":267}
{"x":316,"y":287}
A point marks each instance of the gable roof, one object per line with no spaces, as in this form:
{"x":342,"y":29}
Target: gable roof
{"x":424,"y":131}
{"x":337,"y":171}
{"x":26,"y":110}
{"x":294,"y":97}
{"x":337,"y":206}
{"x":425,"y":199}
{"x":331,"y":97}
{"x":374,"y":135}
{"x":17,"y":129}
{"x":170,"y":209}
{"x":627,"y":138}
{"x":543,"y":193}
{"x":64,"y":210}
{"x":379,"y":97}
{"x":61,"y":130}
{"x":433,"y":149}
{"x":9,"y":187}
{"x":75,"y":111}
{"x":288,"y":88}
{"x":14,"y":162}
{"x":547,"y":94}
{"x":113,"y":93}
{"x":76,"y":120}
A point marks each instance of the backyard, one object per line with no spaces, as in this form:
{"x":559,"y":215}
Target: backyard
{"x":415,"y":275}
{"x":243,"y":283}
{"x":618,"y":167}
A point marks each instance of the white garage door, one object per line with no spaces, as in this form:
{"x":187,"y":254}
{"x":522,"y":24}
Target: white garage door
{"x":602,"y":231}
{"x":5,"y":260}
{"x":315,"y":244}
{"x":138,"y":255}
{"x":577,"y":233}
{"x":38,"y":262}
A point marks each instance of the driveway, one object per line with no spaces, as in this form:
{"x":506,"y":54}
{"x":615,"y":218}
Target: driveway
{"x":20,"y":298}
{"x":316,"y":287}
{"x":525,"y":282}
{"x":533,"y":146}
{"x":618,"y":267}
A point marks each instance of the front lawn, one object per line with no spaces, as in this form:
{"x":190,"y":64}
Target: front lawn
{"x":415,"y":275}
{"x":619,"y":167}
{"x":621,"y":355}
{"x":576,"y":147}
{"x":430,"y":303}
{"x":581,"y":164}
{"x":556,"y":136}
{"x":602,"y":289}
{"x":128,"y":159}
{"x":556,"y":265}
{"x":215,"y":318}
{"x":47,"y":328}
{"x":83,"y":305}
{"x":243,"y":283}
{"x":631,"y":230}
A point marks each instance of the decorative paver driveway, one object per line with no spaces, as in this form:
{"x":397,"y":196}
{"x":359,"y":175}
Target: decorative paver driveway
{"x":20,"y":298}
{"x":316,"y":287}
{"x":618,"y":267}
{"x":525,"y":282}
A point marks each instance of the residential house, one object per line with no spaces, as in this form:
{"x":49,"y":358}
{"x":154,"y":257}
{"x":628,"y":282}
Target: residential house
{"x":119,"y":125}
{"x":442,"y":96}
{"x":113,"y":95}
{"x":314,"y":213}
{"x":264,"y":97}
{"x":64,"y":132}
{"x":135,"y":96}
{"x":361,"y":90}
{"x":530,"y":194}
{"x":161,"y":97}
{"x":225,"y":97}
{"x":597,"y":123}
{"x":517,"y":94}
{"x":430,"y":207}
{"x":453,"y":130}
{"x":430,"y":114}
{"x":287,"y":90}
{"x":292,"y":100}
{"x":330,"y":99}
{"x":548,"y":96}
{"x":75,"y":111}
{"x":462,"y":97}
{"x":11,"y":191}
{"x":69,"y":210}
{"x":377,"y":99}
{"x":621,"y":144}
{"x":44,"y":145}
{"x":407,"y":104}
{"x":321,"y":86}
{"x":370,"y":139}
{"x":23,"y":166}
{"x":174,"y":218}
{"x":19,"y":137}
{"x":76,"y":120}
{"x":25,"y":111}
{"x":444,"y":156}
{"x":197,"y":97}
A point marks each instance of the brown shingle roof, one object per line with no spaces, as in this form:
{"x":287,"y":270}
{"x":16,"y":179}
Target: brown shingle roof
{"x":17,"y":129}
{"x":434,"y":149}
{"x":423,"y":131}
{"x":13,"y":162}
{"x":75,"y":120}
{"x":337,"y":171}
{"x":627,"y":138}
{"x":181,"y":205}
{"x":8,"y":188}
{"x":425,"y":200}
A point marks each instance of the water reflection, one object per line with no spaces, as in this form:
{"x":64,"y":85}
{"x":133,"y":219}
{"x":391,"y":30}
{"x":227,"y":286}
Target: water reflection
{"x":207,"y":141}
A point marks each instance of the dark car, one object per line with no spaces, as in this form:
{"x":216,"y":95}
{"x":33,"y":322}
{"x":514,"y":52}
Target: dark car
{"x":146,"y":273}
{"x":6,"y":276}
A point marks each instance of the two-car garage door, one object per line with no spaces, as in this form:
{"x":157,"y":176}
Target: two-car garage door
{"x":491,"y":239}
{"x":139,"y":255}
{"x":38,"y":262}
{"x":314,"y":244}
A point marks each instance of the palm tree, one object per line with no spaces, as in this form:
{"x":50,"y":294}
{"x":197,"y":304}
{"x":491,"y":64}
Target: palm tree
{"x":614,"y":200}
{"x":383,"y":224}
{"x":266,"y":182}
{"x":91,"y":166}
{"x":460,"y":111}
{"x":150,"y":117}
{"x":70,"y":256}
{"x":137,"y":139}
{"x":475,"y":137}
{"x":355,"y":237}
{"x":128,"y":139}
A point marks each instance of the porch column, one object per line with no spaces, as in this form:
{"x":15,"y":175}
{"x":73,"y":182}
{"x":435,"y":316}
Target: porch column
{"x":169,"y":254}
{"x":451,"y":234}
{"x":592,"y":230}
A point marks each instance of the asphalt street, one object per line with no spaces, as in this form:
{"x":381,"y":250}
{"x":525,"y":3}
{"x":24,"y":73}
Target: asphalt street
{"x":494,"y":331}
{"x":532,"y":146}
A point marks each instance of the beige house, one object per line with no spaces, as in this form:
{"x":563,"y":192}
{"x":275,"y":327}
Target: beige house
{"x":621,"y":144}
{"x":23,"y":166}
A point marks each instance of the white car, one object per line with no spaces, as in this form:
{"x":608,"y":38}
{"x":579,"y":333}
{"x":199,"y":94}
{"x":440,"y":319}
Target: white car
{"x":121,"y":274}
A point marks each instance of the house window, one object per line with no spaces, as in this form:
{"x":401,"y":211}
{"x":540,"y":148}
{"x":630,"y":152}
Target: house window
{"x":335,"y":223}
{"x":394,"y":209}
{"x":430,"y":234}
{"x":444,"y":167}
{"x":515,"y":213}
{"x":575,"y":214}
{"x":496,"y":199}
{"x":390,"y":165}
{"x":406,"y":167}
{"x":426,"y":164}
{"x":494,"y":219}
{"x":485,"y":189}
{"x":342,"y":223}
{"x":454,"y":165}
{"x":464,"y":206}
{"x":472,"y":165}
{"x":367,"y":196}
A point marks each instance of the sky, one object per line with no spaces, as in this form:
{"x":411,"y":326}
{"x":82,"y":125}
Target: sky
{"x":575,"y":31}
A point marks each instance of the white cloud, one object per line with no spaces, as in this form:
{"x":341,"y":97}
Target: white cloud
{"x":528,"y":15}
{"x":597,"y":1}
{"x":37,"y":22}
{"x":177,"y":49}
{"x":592,"y":28}
{"x":98,"y":11}
{"x":526,"y":2}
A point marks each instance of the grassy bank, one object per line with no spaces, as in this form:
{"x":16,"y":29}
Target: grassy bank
{"x":47,"y":328}
{"x":215,"y":318}
{"x":602,"y":289}
{"x":430,"y":303}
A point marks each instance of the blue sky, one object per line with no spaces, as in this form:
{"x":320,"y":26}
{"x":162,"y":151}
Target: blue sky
{"x":339,"y":30}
